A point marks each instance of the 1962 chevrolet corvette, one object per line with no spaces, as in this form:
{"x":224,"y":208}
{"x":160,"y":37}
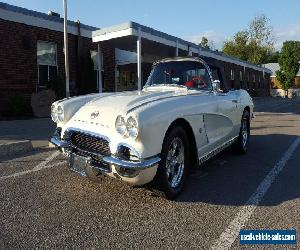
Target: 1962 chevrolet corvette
{"x":179,"y":119}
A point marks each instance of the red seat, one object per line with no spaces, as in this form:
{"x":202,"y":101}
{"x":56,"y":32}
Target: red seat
{"x":190,"y":84}
{"x":196,"y":82}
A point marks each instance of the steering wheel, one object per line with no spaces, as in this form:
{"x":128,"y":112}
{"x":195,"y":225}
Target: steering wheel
{"x":192,"y":82}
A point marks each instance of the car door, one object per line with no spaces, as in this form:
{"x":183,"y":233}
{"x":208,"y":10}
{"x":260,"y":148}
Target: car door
{"x":228,"y":107}
{"x":220,"y":119}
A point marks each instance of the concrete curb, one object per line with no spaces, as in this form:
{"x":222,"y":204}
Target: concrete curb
{"x":24,"y":146}
{"x":11,"y":148}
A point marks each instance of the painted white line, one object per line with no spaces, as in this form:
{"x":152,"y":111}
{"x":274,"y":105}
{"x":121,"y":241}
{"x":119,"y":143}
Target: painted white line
{"x":39,"y":167}
{"x":232,"y":231}
{"x":272,"y":113}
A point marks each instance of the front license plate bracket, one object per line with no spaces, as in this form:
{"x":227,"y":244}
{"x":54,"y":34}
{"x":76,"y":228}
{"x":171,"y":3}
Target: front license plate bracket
{"x":79,"y":164}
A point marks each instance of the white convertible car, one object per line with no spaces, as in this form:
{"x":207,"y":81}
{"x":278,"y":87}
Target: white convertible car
{"x":157,"y":135}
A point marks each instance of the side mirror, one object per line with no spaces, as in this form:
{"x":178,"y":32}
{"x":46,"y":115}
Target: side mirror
{"x":216,"y":86}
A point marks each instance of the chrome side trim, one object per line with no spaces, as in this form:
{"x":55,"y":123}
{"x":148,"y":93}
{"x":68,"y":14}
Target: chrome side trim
{"x":138,"y":165}
{"x":217,"y":150}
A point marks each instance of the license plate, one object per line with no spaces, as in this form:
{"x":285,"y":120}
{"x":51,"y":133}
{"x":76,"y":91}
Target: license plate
{"x":78,"y":164}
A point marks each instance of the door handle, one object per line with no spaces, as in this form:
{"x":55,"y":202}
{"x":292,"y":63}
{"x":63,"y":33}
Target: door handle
{"x":234,"y":100}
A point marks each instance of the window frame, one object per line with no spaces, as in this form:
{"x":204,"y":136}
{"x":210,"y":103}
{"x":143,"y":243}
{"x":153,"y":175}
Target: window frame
{"x":205,"y":67}
{"x":45,"y":64}
{"x":53,"y":43}
{"x":232,"y":75}
{"x":97,"y":68}
{"x":241,"y":76}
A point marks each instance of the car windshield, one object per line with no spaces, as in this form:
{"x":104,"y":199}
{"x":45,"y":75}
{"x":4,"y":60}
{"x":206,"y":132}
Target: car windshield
{"x":190,"y":74}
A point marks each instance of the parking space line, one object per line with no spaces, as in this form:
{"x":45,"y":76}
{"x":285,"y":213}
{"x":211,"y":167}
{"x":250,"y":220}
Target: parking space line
{"x":39,"y":167}
{"x":230,"y":234}
{"x":272,"y":113}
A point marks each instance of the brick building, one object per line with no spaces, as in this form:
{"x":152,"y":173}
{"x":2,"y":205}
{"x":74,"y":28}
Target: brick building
{"x":31,"y":55}
{"x":31,"y":52}
{"x":274,"y":82}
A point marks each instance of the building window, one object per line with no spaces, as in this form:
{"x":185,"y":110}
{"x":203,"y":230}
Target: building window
{"x":253,"y":77}
{"x":47,"y":63}
{"x":248,"y":81}
{"x":241,"y":76}
{"x":94,"y":57}
{"x":231,"y":75}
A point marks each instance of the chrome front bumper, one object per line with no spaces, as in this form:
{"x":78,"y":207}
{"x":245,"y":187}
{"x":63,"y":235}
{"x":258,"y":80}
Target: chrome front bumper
{"x":111,"y":160}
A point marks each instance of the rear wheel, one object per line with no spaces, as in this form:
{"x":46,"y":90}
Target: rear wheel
{"x":173,"y":168}
{"x":241,"y":145}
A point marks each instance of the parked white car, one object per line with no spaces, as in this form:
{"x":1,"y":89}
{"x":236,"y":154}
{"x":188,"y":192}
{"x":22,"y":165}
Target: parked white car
{"x":179,"y":119}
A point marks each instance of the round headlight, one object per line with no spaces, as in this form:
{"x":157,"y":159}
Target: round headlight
{"x":60,"y":113}
{"x":54,"y":113}
{"x":132,"y":127}
{"x":121,"y":125}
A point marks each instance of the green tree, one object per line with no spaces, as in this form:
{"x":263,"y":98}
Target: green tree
{"x":237,"y":47}
{"x":204,"y":42}
{"x":289,"y":64}
{"x":272,"y":57}
{"x":253,"y":44}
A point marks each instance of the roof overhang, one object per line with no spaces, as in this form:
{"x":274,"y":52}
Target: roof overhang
{"x":154,"y":42}
{"x":124,"y":36}
{"x":37,"y":19}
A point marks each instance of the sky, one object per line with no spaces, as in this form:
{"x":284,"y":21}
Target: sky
{"x":189,"y":19}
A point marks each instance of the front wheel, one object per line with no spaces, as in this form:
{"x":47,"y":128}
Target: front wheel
{"x":241,"y":145}
{"x":173,"y":168}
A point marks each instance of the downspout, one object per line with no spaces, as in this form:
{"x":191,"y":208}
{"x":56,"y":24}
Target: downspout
{"x":78,"y":56}
{"x":139,"y":59}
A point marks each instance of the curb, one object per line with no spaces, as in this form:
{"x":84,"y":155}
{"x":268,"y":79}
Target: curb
{"x":24,"y":146}
{"x":11,"y":148}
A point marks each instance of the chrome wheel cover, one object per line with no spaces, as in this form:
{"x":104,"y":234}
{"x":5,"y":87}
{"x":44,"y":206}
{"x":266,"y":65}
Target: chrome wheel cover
{"x":175,"y":162}
{"x":244,"y":132}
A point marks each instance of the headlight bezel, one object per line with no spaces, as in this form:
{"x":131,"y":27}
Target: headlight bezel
{"x":54,"y":113}
{"x":120,"y":125}
{"x":132,"y":127}
{"x":60,"y":113}
{"x":57,"y":113}
{"x":127,"y":127}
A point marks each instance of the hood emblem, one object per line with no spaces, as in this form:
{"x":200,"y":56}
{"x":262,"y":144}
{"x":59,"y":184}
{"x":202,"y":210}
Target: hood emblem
{"x":94,"y":114}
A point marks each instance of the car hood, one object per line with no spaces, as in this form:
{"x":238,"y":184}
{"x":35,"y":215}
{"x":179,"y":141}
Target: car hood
{"x":108,"y":107}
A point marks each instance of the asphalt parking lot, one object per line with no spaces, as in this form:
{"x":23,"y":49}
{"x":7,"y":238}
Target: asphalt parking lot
{"x":43,"y":205}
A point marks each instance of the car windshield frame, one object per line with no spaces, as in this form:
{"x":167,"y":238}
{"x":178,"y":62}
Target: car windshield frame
{"x":178,"y":68}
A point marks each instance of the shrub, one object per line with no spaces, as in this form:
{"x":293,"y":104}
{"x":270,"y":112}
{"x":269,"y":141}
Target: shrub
{"x":18,"y":105}
{"x":58,"y":85}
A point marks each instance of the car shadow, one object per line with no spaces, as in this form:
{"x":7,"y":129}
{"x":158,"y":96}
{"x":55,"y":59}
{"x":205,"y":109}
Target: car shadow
{"x":38,"y":129}
{"x":21,"y":157}
{"x":230,"y":179}
{"x":272,"y":105}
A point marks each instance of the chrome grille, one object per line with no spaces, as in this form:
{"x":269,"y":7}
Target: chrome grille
{"x":90,"y":143}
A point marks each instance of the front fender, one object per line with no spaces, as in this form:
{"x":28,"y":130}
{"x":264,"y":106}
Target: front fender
{"x":73,"y":104}
{"x":154,"y":129}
